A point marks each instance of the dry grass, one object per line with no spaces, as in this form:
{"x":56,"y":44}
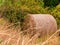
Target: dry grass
{"x":13,"y":36}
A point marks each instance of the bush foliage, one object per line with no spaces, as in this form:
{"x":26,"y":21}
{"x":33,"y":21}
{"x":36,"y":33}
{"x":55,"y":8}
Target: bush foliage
{"x":51,"y":3}
{"x":15,"y":10}
{"x":56,"y":14}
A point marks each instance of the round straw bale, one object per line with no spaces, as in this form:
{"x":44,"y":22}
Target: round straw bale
{"x":40,"y":23}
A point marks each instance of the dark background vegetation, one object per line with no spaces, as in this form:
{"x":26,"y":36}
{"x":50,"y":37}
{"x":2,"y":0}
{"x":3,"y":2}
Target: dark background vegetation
{"x":16,"y":10}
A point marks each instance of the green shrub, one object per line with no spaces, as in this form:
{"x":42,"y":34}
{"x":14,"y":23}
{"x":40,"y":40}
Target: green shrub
{"x":15,"y":10}
{"x":56,"y":14}
{"x":51,"y":3}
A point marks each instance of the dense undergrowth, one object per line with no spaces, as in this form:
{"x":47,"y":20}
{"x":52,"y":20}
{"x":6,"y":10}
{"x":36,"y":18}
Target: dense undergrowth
{"x":15,"y":10}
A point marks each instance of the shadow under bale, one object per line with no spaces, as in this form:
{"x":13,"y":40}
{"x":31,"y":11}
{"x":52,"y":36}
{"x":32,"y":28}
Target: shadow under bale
{"x":40,"y":23}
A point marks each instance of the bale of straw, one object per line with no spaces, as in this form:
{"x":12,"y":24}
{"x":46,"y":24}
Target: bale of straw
{"x":40,"y":23}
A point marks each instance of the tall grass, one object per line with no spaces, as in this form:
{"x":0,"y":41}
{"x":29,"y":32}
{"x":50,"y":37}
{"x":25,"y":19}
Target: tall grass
{"x":11,"y":35}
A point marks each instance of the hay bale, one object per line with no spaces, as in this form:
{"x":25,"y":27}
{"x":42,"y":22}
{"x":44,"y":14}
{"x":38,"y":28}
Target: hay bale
{"x":42,"y":23}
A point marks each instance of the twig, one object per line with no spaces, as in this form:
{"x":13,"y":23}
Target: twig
{"x":49,"y":38}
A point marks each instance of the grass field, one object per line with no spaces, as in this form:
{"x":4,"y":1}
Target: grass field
{"x":11,"y":35}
